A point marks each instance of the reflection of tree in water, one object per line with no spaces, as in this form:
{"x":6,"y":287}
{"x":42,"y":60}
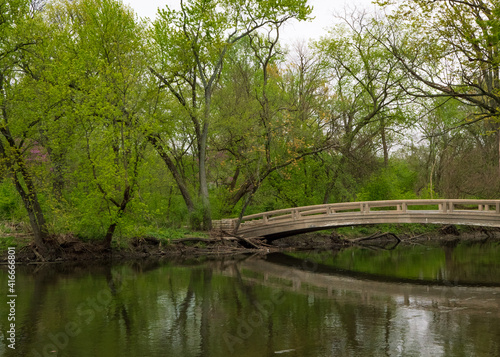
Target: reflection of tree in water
{"x":177,"y":328}
{"x":27,"y":332}
{"x":35,"y":327}
{"x":465,"y":334}
{"x":185,"y":311}
{"x":446,"y":331}
{"x":451,"y":263}
{"x":120,"y":309}
{"x":205,"y":312}
{"x":185,"y":328}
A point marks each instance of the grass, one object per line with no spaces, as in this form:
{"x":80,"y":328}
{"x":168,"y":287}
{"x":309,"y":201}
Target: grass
{"x":6,"y":242}
{"x":12,"y":235}
{"x":173,"y":233}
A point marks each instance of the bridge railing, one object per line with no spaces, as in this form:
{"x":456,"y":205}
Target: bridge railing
{"x":447,"y":206}
{"x":433,"y":206}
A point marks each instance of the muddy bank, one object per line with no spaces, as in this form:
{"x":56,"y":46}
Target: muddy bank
{"x":67,"y":248}
{"x":445,"y":235}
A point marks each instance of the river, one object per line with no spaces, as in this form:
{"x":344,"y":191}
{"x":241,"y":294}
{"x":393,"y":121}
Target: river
{"x":410,"y":301}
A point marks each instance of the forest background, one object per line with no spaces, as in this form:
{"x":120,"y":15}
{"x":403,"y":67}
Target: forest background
{"x":113,"y":127}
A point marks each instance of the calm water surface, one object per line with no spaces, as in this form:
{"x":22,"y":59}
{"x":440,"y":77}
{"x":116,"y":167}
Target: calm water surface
{"x":411,"y":301}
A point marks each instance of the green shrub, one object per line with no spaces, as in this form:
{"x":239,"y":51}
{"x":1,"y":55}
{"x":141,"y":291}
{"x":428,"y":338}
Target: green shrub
{"x":394,"y":182}
{"x":10,"y":202}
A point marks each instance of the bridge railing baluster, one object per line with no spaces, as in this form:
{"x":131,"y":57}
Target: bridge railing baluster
{"x":364,"y":207}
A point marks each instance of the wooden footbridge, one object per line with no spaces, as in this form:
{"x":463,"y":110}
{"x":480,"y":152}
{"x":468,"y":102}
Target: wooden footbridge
{"x":284,"y":222}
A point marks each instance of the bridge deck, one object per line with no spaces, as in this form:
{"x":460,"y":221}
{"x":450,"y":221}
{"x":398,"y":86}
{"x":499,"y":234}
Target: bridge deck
{"x":310,"y":218}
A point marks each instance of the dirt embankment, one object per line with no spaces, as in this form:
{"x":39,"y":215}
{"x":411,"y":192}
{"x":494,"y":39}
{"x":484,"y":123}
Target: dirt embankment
{"x":68,"y":248}
{"x":445,"y":235}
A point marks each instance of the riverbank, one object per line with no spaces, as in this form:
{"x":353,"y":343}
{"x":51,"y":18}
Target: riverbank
{"x":69,"y":248}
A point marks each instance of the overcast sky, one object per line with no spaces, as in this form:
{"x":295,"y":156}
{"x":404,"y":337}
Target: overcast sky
{"x":294,"y":31}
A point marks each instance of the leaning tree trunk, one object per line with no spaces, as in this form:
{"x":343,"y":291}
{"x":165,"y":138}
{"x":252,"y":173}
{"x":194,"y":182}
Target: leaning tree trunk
{"x":127,"y":197}
{"x":36,"y":216}
{"x":181,"y":184}
{"x":15,"y":164}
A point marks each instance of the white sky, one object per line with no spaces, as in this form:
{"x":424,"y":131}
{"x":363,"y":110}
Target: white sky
{"x":294,"y":31}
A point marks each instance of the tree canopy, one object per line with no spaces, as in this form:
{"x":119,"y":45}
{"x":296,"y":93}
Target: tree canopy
{"x":114,"y":127}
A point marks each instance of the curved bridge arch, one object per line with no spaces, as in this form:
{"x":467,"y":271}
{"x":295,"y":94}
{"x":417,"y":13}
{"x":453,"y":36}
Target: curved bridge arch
{"x":279,"y":223}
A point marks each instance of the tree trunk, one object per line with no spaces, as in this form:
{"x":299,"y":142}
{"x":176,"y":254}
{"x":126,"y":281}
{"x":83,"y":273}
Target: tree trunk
{"x":330,"y":185}
{"x":127,"y":197}
{"x":16,"y":166}
{"x":173,"y":170}
{"x":109,"y":235}
{"x":202,"y":156}
{"x":498,"y":144}
{"x":35,"y":214}
{"x":384,"y":143}
{"x":243,"y":209}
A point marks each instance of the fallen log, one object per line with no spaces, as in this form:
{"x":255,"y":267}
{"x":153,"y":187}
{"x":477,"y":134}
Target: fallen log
{"x":374,"y":236}
{"x":244,"y":242}
{"x":248,"y":241}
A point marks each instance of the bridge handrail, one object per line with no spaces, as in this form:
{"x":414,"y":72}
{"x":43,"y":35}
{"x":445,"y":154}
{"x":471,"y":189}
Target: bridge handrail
{"x":444,"y":205}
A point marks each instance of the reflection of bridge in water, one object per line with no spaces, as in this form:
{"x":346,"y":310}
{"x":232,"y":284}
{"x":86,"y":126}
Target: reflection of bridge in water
{"x":279,"y":223}
{"x":286,"y":273}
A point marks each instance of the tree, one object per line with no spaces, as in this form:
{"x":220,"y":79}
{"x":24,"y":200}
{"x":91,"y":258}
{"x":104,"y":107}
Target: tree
{"x":268,"y":116}
{"x":17,"y":124}
{"x":455,"y":163}
{"x":98,"y":60}
{"x":450,"y":48}
{"x":366,"y":90}
{"x":191,"y":47}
